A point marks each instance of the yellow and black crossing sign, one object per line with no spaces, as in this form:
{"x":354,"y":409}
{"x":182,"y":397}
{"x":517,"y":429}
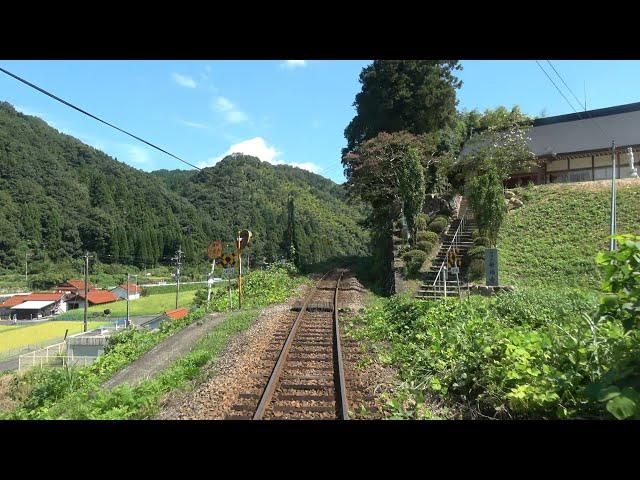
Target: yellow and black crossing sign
{"x":453,"y":258}
{"x":229,"y":260}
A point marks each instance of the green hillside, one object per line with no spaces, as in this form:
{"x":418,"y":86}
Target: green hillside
{"x":60,"y":197}
{"x":553,"y":239}
{"x":241,"y":191}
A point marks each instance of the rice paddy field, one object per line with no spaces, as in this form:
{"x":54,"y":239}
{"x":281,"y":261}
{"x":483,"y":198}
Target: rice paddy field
{"x":15,"y":337}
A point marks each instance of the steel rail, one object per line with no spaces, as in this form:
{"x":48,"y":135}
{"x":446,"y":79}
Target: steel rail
{"x":341,"y":393}
{"x":267,"y":394}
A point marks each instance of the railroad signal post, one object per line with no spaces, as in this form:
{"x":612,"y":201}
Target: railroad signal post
{"x":241,"y":242}
{"x":214,"y":251}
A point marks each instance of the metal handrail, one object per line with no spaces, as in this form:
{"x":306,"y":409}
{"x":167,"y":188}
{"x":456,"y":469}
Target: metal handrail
{"x":454,"y":241}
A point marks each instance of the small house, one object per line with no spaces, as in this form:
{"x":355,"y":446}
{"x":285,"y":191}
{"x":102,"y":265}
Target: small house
{"x":73,"y":286}
{"x":94,"y":297}
{"x":133,"y":291}
{"x":168,"y":316}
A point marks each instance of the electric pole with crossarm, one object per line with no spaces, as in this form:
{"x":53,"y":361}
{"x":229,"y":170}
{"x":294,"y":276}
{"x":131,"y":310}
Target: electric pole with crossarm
{"x":178,"y":260}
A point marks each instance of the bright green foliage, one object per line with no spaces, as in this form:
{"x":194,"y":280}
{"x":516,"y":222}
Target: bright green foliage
{"x":261,"y":287}
{"x":622,"y":281}
{"x":619,"y":388}
{"x":486,"y":198}
{"x":527,"y":354}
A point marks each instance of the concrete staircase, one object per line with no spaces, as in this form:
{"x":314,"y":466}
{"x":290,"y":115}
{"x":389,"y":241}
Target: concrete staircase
{"x":464,"y":241}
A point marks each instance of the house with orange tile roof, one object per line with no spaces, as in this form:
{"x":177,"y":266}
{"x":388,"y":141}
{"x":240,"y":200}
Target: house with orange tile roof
{"x":33,"y":305}
{"x":94,"y":297}
{"x":73,"y":286}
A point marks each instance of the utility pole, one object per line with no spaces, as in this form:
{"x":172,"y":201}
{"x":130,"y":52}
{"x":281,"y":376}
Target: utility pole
{"x":86,"y":289}
{"x":612,"y":245}
{"x":126,"y":323}
{"x":178,"y":259}
{"x":26,"y":254}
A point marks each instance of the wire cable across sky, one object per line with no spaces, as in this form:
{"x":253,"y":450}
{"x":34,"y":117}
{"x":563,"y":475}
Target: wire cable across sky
{"x":42,"y":90}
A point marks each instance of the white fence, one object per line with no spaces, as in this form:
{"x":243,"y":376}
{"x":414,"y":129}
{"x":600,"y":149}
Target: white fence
{"x":30,"y":361}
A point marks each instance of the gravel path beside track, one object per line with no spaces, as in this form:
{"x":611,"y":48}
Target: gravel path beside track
{"x":165,"y":353}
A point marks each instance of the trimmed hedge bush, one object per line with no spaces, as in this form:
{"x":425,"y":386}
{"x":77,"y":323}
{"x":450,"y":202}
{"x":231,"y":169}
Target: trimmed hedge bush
{"x":428,"y":236}
{"x":425,"y":246}
{"x":482,"y":241}
{"x":422,"y":221}
{"x":476,"y":252}
{"x":438,"y":225}
{"x":476,"y":269}
{"x":414,"y":259}
{"x":441,"y":217}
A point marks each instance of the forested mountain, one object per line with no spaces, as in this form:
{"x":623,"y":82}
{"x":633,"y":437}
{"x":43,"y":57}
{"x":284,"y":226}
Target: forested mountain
{"x":241,"y":191}
{"x":62,"y":197}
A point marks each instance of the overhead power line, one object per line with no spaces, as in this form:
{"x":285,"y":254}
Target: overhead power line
{"x":564,"y":83}
{"x":559,"y":91}
{"x":42,"y":90}
{"x":567,"y":100}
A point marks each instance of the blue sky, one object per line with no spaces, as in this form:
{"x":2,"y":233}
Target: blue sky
{"x":291,"y":112}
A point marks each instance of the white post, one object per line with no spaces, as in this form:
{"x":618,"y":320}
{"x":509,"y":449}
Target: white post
{"x":612,"y":245}
{"x":445,"y":281}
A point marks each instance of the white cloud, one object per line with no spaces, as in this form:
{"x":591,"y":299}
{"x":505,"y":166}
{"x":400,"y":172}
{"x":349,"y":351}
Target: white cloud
{"x":294,"y":63}
{"x":193,"y":124}
{"x":139,"y":154}
{"x":231,"y":113}
{"x":183,"y":81}
{"x":312,"y":167}
{"x":258,"y":147}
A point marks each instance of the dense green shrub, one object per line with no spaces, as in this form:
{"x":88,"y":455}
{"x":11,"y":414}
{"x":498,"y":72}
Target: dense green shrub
{"x":438,"y":225}
{"x":525,"y":354}
{"x":476,"y":252}
{"x":428,"y":236}
{"x":425,"y":246}
{"x":481,"y":241}
{"x":444,"y":218}
{"x":414,"y":259}
{"x":476,"y":269}
{"x":475,"y":234}
{"x":422,"y":221}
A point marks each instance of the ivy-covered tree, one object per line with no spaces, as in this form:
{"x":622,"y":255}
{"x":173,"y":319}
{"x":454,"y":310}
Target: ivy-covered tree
{"x":486,"y":199}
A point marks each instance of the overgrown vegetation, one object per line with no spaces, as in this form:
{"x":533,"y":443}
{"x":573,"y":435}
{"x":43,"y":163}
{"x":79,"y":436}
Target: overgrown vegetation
{"x":76,"y":393}
{"x":534,"y":353}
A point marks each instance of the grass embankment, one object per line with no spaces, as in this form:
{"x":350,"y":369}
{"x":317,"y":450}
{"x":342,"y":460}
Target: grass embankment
{"x":552,"y":240}
{"x":16,"y":337}
{"x":76,"y":393}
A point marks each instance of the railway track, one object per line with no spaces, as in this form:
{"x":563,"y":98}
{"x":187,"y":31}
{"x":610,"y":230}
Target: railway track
{"x":302,"y":372}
